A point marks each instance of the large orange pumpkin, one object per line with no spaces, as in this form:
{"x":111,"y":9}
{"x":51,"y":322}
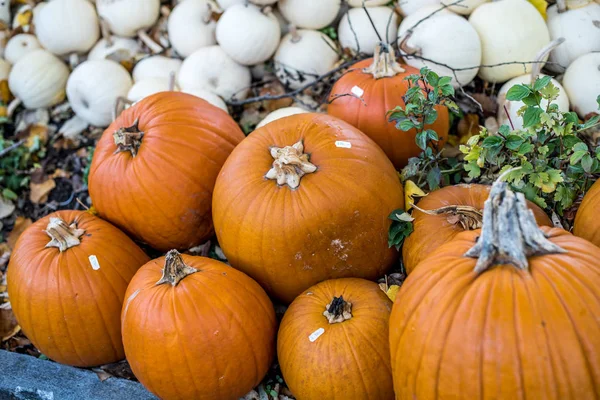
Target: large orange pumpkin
{"x":587,"y":224}
{"x":155,"y":167}
{"x":195,"y":328}
{"x":66,"y":282}
{"x":451,"y":210}
{"x":518,"y":322}
{"x":364,"y":95}
{"x":305,"y":199}
{"x":333,"y":342}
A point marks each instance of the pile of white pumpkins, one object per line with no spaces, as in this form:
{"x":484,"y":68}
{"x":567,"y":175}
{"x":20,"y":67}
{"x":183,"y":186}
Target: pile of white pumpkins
{"x":73,"y":47}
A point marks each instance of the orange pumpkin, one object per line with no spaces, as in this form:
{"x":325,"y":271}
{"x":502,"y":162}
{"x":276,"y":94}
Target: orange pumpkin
{"x":445,"y":213}
{"x":66,"y":282}
{"x":501,"y":313}
{"x":364,"y":95}
{"x":204,"y":324}
{"x":305,"y":199}
{"x":333,"y":342}
{"x":586,"y":224}
{"x":155,"y":167}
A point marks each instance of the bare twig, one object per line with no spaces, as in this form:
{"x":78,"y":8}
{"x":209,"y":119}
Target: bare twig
{"x":11,"y":147}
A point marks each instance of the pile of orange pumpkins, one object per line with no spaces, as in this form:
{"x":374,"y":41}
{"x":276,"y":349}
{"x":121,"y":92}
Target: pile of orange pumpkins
{"x":300,"y":208}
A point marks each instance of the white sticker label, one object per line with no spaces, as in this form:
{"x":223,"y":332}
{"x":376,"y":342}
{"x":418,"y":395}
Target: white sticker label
{"x":315,"y":335}
{"x":345,"y":145}
{"x":94,"y":261}
{"x":357,"y":91}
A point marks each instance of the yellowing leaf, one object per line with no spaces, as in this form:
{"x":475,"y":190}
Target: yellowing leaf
{"x":411,"y":190}
{"x":392,"y":292}
{"x":541,"y":6}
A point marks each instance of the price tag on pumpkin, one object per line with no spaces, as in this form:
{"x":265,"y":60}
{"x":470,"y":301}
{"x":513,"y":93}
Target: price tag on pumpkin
{"x":315,"y":335}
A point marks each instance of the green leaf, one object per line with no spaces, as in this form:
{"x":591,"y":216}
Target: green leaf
{"x":525,"y":148}
{"x":532,"y":100}
{"x":431,"y":117}
{"x":586,"y":163}
{"x":590,"y":122}
{"x":518,"y":92}
{"x":580,"y":146}
{"x":434,"y":177}
{"x":432,"y":135}
{"x":577,"y":156}
{"x":571,"y":117}
{"x":9,"y":194}
{"x":473,"y":169}
{"x":447,"y":90}
{"x":405,"y":125}
{"x":492,"y":141}
{"x":555,"y":175}
{"x":531,"y":116}
{"x":399,"y":229}
{"x":541,"y":83}
{"x":432,"y":77}
{"x":444,"y":80}
{"x":513,"y":142}
{"x":421,"y":140}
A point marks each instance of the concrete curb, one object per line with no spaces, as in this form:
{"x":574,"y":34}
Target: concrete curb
{"x":28,"y":378}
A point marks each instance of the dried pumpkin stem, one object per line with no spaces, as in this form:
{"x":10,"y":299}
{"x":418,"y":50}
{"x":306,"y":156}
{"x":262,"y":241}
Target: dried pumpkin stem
{"x":62,"y":235}
{"x":175,"y":269}
{"x":469,"y":218}
{"x":290,"y":165}
{"x":384,"y":62}
{"x":128,"y":139}
{"x":510,"y":233}
{"x":338,"y":310}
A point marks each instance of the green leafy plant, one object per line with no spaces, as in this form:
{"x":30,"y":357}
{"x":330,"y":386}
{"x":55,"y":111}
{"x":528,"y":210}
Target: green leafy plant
{"x":554,"y":164}
{"x":18,"y":157}
{"x":400,"y":229}
{"x":426,"y":91}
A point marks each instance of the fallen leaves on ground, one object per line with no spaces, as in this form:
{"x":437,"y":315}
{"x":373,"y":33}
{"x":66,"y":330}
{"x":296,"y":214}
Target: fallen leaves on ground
{"x":9,"y":326}
{"x":6,"y":207}
{"x":40,"y":191}
{"x":411,"y":191}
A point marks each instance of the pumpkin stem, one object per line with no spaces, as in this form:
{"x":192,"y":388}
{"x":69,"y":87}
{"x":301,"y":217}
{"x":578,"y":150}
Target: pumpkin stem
{"x":338,"y":310}
{"x":510,"y":234}
{"x":384,"y":62}
{"x":469,"y":218}
{"x":290,"y":165}
{"x":128,"y":139}
{"x":62,"y":235}
{"x":175,"y":269}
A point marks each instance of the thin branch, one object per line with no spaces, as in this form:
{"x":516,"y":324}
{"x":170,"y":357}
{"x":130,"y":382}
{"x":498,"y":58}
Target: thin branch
{"x":11,"y":147}
{"x":371,"y":21}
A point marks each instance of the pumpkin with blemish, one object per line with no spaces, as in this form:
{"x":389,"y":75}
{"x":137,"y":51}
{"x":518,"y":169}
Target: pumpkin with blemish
{"x":304,"y":199}
{"x":66,"y":282}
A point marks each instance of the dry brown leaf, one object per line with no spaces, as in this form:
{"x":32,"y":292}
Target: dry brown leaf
{"x":8,"y":323}
{"x":5,"y":95}
{"x":21,"y":224}
{"x":467,"y":127}
{"x":36,"y":131}
{"x":488,"y":103}
{"x":102,"y":375}
{"x":274,"y":88}
{"x":59,"y":173}
{"x":40,"y":191}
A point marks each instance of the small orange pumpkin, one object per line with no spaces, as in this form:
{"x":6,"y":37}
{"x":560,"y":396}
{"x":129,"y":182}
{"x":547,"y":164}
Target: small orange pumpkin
{"x":66,"y":282}
{"x":333,"y":342}
{"x":364,"y":95}
{"x":304,"y":199}
{"x":587,"y":224}
{"x":206,"y":325}
{"x":155,"y":167}
{"x":508,"y":312}
{"x":446,"y":212}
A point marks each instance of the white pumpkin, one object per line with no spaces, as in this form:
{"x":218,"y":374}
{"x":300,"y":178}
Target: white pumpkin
{"x":582,"y":83}
{"x":280,"y":113}
{"x":5,"y":11}
{"x":304,"y":55}
{"x":408,"y":7}
{"x":156,"y":67}
{"x":93,"y":89}
{"x":120,"y":47}
{"x":310,"y":14}
{"x":579,"y":26}
{"x":147,"y":87}
{"x":446,"y":38}
{"x":20,"y":45}
{"x":368,"y":3}
{"x":356,"y":31}
{"x":191,"y":27}
{"x":225,"y":4}
{"x":510,"y":31}
{"x":248,"y":35}
{"x":512,"y":107}
{"x":5,"y":67}
{"x":209,"y":96}
{"x":212,"y":69}
{"x":465,"y":7}
{"x":127,"y":17}
{"x":38,"y":79}
{"x":67,"y":26}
